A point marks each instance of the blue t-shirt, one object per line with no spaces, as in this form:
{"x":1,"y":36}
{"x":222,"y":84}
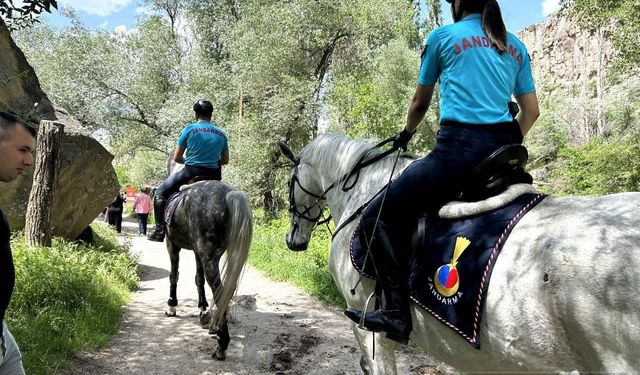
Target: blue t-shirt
{"x":204,"y":142}
{"x":476,"y":82}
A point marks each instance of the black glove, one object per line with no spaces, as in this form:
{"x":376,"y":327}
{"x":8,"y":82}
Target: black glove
{"x":402,"y":139}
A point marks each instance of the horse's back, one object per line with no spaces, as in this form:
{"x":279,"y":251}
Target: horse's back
{"x":202,"y":214}
{"x":567,"y":280}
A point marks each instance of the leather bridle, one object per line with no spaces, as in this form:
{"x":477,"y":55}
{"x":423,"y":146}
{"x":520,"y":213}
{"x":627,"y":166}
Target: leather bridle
{"x":320,"y":200}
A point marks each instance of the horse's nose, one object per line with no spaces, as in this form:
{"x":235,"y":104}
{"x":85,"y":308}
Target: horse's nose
{"x":297,"y":246}
{"x":292,"y":245}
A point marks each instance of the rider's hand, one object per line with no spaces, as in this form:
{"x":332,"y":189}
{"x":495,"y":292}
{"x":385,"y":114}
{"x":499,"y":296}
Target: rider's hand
{"x":402,"y":139}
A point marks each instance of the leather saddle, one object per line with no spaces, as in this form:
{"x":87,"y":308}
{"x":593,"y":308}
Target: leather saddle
{"x":496,"y":173}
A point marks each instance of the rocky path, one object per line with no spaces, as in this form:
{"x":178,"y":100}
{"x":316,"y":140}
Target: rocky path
{"x":275,"y":329}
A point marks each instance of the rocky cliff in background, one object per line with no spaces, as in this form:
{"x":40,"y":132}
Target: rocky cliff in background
{"x":87,"y":180}
{"x":564,"y":55}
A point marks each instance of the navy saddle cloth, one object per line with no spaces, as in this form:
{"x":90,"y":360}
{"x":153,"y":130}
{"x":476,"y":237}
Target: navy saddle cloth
{"x":172,"y":203}
{"x":450,"y":269}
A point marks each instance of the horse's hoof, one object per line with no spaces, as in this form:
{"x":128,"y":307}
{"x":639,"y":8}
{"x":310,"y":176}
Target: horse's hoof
{"x":219,"y":354}
{"x":205,"y":319}
{"x":364,"y":365}
{"x":171,"y":312}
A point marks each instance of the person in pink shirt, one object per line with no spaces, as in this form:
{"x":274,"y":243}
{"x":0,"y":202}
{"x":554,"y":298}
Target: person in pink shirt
{"x":142,"y":207}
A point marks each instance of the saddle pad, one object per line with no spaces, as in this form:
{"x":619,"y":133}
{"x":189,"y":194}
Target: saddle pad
{"x":449,"y":274}
{"x":172,"y":203}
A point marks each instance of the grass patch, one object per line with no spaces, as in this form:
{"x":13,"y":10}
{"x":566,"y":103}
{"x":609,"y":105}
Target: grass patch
{"x":68,"y":298}
{"x":306,"y":269}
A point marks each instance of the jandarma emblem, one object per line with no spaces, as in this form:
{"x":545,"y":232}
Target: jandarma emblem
{"x":446,"y":278}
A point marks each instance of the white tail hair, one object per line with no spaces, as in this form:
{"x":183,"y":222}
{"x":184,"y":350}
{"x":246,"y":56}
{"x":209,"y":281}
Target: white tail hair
{"x":239,"y":233}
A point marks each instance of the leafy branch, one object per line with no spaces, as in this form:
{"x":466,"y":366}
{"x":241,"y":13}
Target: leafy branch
{"x":18,"y":17}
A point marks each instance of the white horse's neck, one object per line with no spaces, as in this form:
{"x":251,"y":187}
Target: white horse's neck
{"x":333,"y":156}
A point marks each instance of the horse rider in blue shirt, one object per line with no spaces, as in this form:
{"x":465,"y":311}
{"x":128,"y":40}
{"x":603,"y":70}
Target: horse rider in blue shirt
{"x":479,"y":66}
{"x":207,"y":150}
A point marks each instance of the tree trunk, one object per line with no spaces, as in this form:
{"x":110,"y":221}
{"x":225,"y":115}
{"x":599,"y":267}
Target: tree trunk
{"x":45,"y":178}
{"x":600,"y":83}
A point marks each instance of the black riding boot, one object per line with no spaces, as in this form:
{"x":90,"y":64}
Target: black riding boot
{"x":394,"y":318}
{"x":158,"y":213}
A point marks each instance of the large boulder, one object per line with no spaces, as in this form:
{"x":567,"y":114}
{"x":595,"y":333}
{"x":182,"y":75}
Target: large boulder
{"x":87,"y":181}
{"x":20,"y":91}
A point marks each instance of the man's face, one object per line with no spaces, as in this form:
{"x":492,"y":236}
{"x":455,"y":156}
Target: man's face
{"x":16,"y":152}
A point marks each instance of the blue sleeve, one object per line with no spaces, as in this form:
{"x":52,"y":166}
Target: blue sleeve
{"x":524,"y":78}
{"x":225,"y":146}
{"x":182,"y":139}
{"x":430,"y":64}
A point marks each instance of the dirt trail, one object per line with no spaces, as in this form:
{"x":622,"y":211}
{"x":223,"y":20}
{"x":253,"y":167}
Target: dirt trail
{"x":275,"y":329}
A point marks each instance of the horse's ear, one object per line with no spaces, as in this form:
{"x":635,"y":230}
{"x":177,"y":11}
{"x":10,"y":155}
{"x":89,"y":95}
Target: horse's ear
{"x":286,"y":152}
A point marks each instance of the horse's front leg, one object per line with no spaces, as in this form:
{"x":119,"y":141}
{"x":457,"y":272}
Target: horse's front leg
{"x":378,"y":353}
{"x":174,"y":256}
{"x":203,"y":305}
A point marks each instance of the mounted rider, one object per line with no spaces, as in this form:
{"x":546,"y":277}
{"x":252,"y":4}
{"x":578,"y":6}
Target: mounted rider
{"x":207,"y":150}
{"x":479,"y":66}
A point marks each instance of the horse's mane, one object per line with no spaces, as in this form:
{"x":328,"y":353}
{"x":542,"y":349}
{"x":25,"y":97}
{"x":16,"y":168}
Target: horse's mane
{"x":335,"y":152}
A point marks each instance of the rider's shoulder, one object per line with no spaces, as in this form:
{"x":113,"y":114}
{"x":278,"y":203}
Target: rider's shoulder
{"x":219,"y":128}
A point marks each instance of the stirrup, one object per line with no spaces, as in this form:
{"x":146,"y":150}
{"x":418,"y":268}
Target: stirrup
{"x":373,"y":295}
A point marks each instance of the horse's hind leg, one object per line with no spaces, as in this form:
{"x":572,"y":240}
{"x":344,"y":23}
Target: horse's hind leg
{"x":223,"y":341}
{"x":210,"y":263}
{"x":174,"y":256}
{"x":203,"y":305}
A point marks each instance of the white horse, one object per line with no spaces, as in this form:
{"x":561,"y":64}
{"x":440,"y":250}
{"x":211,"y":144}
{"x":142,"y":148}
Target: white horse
{"x":564,"y":294}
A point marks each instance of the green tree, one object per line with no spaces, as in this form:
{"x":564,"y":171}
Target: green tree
{"x":282,"y":57}
{"x":26,"y":14}
{"x":127,"y":84}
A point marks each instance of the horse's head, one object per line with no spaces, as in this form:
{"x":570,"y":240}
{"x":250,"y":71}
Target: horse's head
{"x":306,"y":200}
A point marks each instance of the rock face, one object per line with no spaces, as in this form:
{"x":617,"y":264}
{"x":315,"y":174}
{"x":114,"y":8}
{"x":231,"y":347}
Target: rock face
{"x":20,"y":91}
{"x":564,"y":55}
{"x":87,"y":181}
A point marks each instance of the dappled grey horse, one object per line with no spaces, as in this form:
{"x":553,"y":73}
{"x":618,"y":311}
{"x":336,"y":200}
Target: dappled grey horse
{"x":211,"y":218}
{"x":563,"y":294}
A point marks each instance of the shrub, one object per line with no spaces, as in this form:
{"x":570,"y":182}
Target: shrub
{"x":68,"y":297}
{"x":598,"y":168}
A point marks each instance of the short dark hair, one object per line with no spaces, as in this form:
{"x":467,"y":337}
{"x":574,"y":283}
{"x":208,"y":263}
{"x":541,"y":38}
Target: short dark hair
{"x":203,"y":108}
{"x":9,"y":121}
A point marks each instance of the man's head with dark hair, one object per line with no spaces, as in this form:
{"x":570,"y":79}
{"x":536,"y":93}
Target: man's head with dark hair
{"x":17,"y":144}
{"x":203,"y":109}
{"x":9,"y":121}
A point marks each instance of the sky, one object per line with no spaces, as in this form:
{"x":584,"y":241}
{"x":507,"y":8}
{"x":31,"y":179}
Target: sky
{"x":120,"y":15}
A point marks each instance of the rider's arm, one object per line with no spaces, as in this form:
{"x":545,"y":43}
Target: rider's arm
{"x":224,"y":157}
{"x":529,"y":111}
{"x":178,"y":154}
{"x":419,"y":106}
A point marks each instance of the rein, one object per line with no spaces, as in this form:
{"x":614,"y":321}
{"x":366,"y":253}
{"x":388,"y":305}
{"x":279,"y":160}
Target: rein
{"x":363,"y":162}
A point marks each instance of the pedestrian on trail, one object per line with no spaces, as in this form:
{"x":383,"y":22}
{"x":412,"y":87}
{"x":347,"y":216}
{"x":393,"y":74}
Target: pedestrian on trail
{"x":207,"y":150}
{"x":115,"y":211}
{"x":17,"y":144}
{"x":142,"y":207}
{"x":479,"y":67}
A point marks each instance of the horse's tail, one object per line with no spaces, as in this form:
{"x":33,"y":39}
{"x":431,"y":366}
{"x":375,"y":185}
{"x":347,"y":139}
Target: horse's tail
{"x":239,"y":233}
